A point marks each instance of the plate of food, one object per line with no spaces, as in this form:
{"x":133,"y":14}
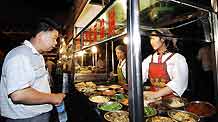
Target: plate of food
{"x":119,"y":97}
{"x":86,"y":87}
{"x":115,"y":86}
{"x":110,"y":106}
{"x":109,"y":92}
{"x":174,"y":102}
{"x":147,"y":101}
{"x":120,"y":90}
{"x":125,"y":101}
{"x":149,"y":111}
{"x":160,"y":119}
{"x":102,"y":87}
{"x":159,"y":106}
{"x":183,"y":116}
{"x":123,"y":116}
{"x":99,"y":99}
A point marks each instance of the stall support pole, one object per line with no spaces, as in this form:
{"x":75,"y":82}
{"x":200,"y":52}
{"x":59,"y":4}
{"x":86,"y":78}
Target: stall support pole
{"x":106,"y":59}
{"x":134,"y":63}
{"x":112,"y":55}
{"x":214,"y":26}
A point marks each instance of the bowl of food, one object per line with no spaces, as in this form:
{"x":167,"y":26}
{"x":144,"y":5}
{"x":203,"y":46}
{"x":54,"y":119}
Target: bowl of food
{"x":99,"y":99}
{"x":110,"y":106}
{"x":175,"y":102}
{"x":201,"y":108}
{"x":160,"y":119}
{"x":109,"y":92}
{"x":115,"y":86}
{"x":149,"y":111}
{"x":125,"y":101}
{"x":120,"y":90}
{"x":159,"y":106}
{"x":183,"y":116}
{"x":119,"y":116}
{"x":119,"y":97}
{"x":147,"y":101}
{"x":102,"y":87}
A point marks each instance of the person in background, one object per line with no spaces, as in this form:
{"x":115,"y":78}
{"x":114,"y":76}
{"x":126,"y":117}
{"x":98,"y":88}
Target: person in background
{"x":1,"y":60}
{"x":101,"y":66}
{"x":166,"y":70}
{"x":49,"y":64}
{"x":205,"y":74}
{"x":121,"y":51}
{"x":24,"y":89}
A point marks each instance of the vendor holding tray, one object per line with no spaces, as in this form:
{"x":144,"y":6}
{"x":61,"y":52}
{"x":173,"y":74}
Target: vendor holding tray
{"x":166,"y":70}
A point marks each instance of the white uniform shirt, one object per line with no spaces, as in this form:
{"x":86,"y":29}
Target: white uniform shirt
{"x":123,"y":66}
{"x":23,"y":67}
{"x":177,"y":69}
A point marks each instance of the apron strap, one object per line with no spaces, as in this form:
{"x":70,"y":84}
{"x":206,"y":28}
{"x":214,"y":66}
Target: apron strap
{"x":152,"y":58}
{"x":168,"y":57}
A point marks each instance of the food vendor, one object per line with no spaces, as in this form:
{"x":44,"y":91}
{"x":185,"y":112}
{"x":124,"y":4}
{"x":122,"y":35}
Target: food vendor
{"x":166,"y":70}
{"x":121,"y":51}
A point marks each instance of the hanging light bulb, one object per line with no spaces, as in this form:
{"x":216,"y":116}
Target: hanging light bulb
{"x":62,"y":40}
{"x":94,"y":49}
{"x":125,"y":40}
{"x":81,"y":53}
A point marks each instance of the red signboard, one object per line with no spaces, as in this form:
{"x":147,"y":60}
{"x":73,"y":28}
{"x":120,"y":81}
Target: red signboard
{"x":98,"y":30}
{"x":111,"y":23}
{"x":102,"y":29}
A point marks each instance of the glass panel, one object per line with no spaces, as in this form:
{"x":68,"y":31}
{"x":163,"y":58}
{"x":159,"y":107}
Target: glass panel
{"x":109,"y":24}
{"x":156,"y":14}
{"x":188,"y":32}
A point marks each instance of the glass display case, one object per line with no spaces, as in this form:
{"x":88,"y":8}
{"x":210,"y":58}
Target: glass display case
{"x":194,"y":31}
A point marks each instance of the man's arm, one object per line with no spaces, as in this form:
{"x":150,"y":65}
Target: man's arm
{"x":31,"y":96}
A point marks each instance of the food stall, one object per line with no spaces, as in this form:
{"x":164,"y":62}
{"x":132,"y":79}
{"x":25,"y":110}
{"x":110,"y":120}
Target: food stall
{"x":194,"y":28}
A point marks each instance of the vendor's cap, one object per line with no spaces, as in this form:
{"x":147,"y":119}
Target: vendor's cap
{"x":166,"y":34}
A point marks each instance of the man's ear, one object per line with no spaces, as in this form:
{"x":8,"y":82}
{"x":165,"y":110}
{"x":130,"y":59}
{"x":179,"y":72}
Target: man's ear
{"x":39,"y":35}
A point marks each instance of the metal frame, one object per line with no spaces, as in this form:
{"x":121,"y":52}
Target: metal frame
{"x":134,"y":55}
{"x":95,"y":18}
{"x":134,"y":63}
{"x":214,"y":27}
{"x":104,"y":41}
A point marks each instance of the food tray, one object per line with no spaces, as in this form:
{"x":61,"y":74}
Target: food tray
{"x":183,"y":116}
{"x":99,"y":99}
{"x":111,"y":116}
{"x":110,"y":106}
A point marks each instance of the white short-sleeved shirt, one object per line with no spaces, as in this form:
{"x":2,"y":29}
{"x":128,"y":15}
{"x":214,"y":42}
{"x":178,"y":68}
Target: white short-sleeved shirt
{"x":23,"y":67}
{"x":177,"y":69}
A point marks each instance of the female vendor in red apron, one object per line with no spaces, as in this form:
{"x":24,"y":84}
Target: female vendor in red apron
{"x":166,"y":70}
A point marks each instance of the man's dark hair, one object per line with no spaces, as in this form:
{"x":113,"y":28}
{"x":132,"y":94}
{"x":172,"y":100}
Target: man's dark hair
{"x":45,"y":24}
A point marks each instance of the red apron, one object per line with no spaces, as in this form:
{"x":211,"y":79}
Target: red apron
{"x":158,"y":74}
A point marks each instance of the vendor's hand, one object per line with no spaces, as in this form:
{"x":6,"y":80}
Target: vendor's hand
{"x":57,"y":98}
{"x":111,"y":76}
{"x":149,"y":95}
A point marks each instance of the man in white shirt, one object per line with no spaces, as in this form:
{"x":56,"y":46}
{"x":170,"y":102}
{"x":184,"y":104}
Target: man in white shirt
{"x":24,"y":89}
